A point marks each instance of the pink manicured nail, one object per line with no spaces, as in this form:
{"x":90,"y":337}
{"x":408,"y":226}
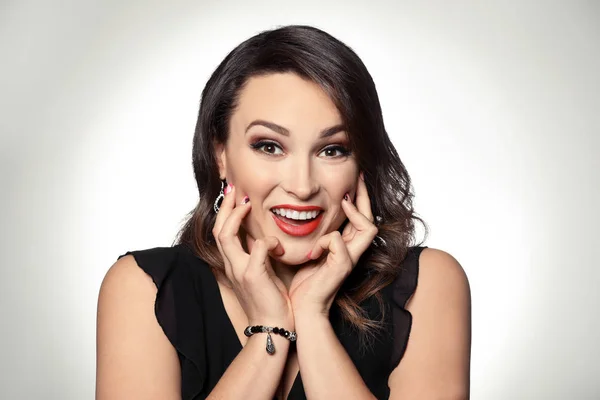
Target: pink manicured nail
{"x":228,"y":188}
{"x":245,"y":200}
{"x":308,"y":255}
{"x":347,"y":197}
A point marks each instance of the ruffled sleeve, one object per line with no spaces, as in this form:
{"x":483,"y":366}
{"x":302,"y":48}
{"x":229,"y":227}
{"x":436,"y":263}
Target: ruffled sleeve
{"x":403,"y":288}
{"x":178,"y":313}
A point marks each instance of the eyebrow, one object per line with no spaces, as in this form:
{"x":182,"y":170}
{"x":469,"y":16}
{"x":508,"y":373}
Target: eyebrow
{"x":325,"y":133}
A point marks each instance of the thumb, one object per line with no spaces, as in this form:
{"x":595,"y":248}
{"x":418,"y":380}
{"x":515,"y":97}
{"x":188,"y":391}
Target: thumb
{"x":259,"y":253}
{"x":276,"y":249}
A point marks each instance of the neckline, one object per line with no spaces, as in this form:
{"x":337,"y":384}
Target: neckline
{"x":232,"y":332}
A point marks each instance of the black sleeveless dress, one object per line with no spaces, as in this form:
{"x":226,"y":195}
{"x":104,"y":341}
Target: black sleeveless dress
{"x":190,"y":310}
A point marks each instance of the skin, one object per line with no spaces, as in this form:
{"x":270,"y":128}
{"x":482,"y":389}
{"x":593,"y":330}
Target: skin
{"x":278,"y":280}
{"x":297,"y":169}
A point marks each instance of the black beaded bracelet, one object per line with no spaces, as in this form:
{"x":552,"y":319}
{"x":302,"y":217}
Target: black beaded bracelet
{"x":251,"y":330}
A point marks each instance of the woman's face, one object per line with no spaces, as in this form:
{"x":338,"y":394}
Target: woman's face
{"x":287,"y":149}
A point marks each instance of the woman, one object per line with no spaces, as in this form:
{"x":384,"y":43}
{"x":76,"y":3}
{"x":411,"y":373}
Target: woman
{"x":294,"y":276}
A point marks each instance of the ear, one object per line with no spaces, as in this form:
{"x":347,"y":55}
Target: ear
{"x":221,"y":158}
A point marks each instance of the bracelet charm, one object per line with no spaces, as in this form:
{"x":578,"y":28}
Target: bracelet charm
{"x":270,"y":345}
{"x":251,"y":330}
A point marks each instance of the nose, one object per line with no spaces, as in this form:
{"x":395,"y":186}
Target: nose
{"x":300,"y":180}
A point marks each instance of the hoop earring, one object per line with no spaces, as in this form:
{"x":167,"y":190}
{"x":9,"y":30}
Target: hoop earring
{"x":219,"y":198}
{"x":378,"y":240}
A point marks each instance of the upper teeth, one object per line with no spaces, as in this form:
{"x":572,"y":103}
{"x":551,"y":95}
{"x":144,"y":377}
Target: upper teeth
{"x":293,"y":214}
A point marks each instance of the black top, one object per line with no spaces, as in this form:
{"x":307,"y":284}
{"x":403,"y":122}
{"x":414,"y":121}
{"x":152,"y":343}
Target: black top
{"x":190,"y":310}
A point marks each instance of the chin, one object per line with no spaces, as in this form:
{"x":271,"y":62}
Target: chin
{"x":296,"y":248}
{"x":292,"y":257}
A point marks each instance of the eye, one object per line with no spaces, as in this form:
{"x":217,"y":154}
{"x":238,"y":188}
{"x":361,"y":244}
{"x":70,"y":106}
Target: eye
{"x":267,"y":147}
{"x":332,"y":150}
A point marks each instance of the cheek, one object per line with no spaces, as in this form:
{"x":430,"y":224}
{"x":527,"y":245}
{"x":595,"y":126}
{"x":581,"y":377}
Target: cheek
{"x":339,"y":184}
{"x":257,"y":187}
{"x":250,"y":178}
{"x":251,"y":170}
{"x":252,"y":227}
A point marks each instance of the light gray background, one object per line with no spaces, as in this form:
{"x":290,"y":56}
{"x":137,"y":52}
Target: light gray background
{"x":493,"y":106}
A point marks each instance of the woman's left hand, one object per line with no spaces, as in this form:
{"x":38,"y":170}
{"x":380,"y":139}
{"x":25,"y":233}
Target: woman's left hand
{"x":315,"y":285}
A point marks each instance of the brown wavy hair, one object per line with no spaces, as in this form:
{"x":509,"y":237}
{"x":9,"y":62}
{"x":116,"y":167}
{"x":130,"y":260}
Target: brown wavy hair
{"x":315,"y":55}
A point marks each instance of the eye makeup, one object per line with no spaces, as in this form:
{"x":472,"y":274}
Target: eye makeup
{"x":261,"y":144}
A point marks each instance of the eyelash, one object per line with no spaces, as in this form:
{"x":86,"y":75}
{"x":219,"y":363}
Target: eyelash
{"x":344,"y":152}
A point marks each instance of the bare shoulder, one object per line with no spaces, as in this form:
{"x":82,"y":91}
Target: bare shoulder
{"x":440,"y":277}
{"x":436,"y":363}
{"x":126,"y":274}
{"x":134,"y":357}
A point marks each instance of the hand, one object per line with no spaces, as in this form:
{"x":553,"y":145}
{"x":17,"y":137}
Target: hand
{"x":261,"y":293}
{"x":314,"y":286}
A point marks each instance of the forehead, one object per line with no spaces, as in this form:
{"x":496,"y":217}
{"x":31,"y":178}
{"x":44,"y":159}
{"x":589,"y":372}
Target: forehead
{"x":285,"y":99}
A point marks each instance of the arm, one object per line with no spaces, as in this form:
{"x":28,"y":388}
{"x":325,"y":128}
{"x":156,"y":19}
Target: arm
{"x":135,"y":360}
{"x":253,"y":374}
{"x":327,"y":370}
{"x":436,"y":363}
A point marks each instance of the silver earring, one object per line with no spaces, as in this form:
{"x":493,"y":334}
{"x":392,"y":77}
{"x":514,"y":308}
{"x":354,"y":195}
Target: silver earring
{"x":219,"y":198}
{"x":378,"y":240}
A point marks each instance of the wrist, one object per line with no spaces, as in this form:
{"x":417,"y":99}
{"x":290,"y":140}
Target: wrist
{"x":258,"y":342}
{"x":286,"y":324}
{"x":309,"y":320}
{"x":271,"y":335}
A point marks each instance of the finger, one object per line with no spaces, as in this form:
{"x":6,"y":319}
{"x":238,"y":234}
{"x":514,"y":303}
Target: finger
{"x":363,"y":202}
{"x":225,"y":209}
{"x":358,"y":220}
{"x":227,"y":205}
{"x":259,"y":254}
{"x":250,"y":245}
{"x":229,"y":239}
{"x":338,"y":265}
{"x":366,"y":231}
{"x":277,"y":251}
{"x":333,"y":243}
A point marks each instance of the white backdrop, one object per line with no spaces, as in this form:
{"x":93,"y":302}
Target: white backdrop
{"x":494,"y":108}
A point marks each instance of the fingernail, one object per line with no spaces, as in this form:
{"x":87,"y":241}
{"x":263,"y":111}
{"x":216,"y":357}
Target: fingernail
{"x":347,"y":197}
{"x":245,"y":200}
{"x":362,"y":176}
{"x":308,"y":255}
{"x":228,"y":188}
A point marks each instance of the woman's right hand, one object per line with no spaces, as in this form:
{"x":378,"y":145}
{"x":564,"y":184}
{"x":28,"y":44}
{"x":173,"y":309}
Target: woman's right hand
{"x":262,"y":295}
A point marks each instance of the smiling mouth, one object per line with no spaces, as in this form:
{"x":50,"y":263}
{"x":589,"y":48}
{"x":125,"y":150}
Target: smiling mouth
{"x":296,"y":217}
{"x":297,"y":223}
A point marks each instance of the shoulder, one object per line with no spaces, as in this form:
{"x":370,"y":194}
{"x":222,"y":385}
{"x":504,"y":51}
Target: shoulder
{"x":125,"y":282}
{"x":437,"y":357}
{"x":440,"y":276}
{"x":130,"y":341}
{"x":443,"y":289}
{"x":165,"y":264}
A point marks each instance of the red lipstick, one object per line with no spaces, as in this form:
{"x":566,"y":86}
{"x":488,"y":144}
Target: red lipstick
{"x":298,"y":208}
{"x":297,"y":228}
